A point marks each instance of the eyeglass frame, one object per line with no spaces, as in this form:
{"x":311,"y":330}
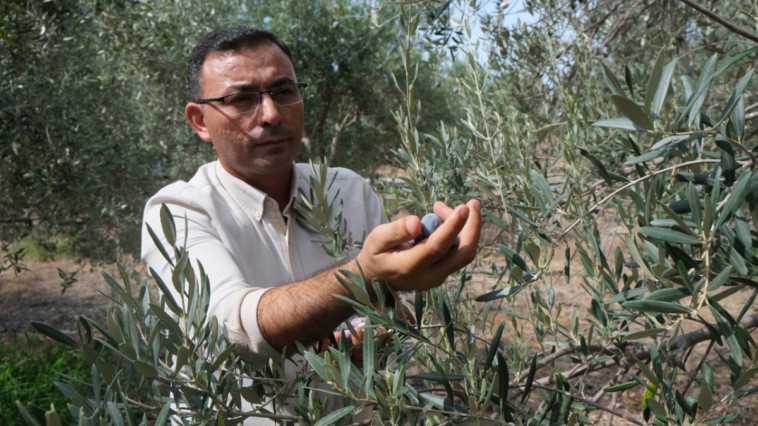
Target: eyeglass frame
{"x":261,"y":92}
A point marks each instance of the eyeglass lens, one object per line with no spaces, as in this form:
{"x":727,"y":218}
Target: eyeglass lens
{"x":246,"y":102}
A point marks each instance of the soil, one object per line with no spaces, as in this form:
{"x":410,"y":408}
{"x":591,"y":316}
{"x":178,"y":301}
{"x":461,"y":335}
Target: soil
{"x":35,"y":295}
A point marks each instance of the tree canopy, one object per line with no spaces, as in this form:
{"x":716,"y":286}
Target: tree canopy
{"x":93,"y":94}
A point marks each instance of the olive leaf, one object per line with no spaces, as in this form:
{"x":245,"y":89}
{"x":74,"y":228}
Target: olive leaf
{"x":633,"y":112}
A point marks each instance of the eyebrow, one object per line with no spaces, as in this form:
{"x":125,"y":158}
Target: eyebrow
{"x":246,"y":87}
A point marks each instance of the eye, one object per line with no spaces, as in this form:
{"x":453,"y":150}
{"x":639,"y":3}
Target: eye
{"x":241,"y":98}
{"x":285,"y":91}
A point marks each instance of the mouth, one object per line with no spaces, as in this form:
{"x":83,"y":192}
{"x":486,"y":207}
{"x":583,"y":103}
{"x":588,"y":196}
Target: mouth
{"x":271,"y":142}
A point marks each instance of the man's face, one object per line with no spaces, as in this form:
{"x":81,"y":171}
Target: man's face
{"x":265,"y":141}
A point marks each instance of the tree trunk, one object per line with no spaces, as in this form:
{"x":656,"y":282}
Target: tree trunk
{"x":349,"y":119}
{"x":318,"y":126}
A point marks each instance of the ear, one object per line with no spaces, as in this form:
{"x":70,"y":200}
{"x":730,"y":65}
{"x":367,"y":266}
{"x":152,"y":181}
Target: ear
{"x":196,"y":117}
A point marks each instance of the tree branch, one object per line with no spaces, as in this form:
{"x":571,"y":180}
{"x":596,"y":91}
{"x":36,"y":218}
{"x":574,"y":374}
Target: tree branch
{"x":614,"y":31}
{"x":691,"y":338}
{"x":15,"y":219}
{"x":349,"y":119}
{"x":632,"y":183}
{"x":589,"y":402}
{"x":726,"y":24}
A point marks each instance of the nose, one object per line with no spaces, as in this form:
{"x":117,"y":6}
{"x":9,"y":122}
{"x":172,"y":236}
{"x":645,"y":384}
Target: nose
{"x":267,"y":111}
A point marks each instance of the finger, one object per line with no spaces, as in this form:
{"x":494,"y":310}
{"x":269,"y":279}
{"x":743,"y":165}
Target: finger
{"x":384,"y":336}
{"x":390,"y":235}
{"x":439,"y":243}
{"x":468,"y":241}
{"x":441,"y":210}
{"x":469,"y":235}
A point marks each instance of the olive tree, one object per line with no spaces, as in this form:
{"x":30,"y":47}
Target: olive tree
{"x":552,"y":149}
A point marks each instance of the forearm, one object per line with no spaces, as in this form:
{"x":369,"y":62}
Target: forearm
{"x":305,"y":311}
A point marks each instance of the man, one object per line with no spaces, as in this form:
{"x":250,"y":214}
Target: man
{"x":270,"y":284}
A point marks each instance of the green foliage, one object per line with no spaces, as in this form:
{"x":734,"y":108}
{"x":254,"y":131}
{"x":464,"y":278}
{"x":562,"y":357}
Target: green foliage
{"x":348,"y":70}
{"x":88,"y":92}
{"x":28,"y":368}
{"x":554,"y":144}
{"x":92,"y":97}
{"x":521,"y":150}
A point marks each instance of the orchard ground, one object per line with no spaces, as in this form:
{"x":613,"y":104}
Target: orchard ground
{"x":35,"y":295}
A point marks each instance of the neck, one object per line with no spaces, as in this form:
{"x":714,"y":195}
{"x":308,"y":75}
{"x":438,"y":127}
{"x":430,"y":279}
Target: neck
{"x":276,"y":186}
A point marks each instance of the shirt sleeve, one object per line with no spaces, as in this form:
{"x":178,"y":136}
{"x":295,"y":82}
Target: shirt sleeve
{"x":374,"y":209}
{"x":241,"y":327}
{"x":233,"y":301}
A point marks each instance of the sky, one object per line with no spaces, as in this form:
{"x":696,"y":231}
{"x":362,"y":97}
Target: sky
{"x":514,"y":15}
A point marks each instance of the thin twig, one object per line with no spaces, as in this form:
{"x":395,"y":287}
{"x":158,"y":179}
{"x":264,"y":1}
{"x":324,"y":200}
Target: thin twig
{"x":614,"y":399}
{"x":699,"y":366}
{"x":692,"y":338}
{"x":630,"y":184}
{"x":588,"y":402}
{"x":726,"y":24}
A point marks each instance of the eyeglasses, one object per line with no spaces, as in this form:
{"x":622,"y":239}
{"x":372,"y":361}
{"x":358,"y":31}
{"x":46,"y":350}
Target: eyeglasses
{"x":240,"y":103}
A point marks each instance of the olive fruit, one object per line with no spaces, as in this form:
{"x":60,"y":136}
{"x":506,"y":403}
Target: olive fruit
{"x":429,"y":224}
{"x":455,"y":90}
{"x":336,"y":25}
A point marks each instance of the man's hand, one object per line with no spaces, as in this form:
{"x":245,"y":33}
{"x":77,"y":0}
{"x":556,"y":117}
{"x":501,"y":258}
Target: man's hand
{"x":356,"y":353}
{"x":307,"y":310}
{"x":389,"y":258}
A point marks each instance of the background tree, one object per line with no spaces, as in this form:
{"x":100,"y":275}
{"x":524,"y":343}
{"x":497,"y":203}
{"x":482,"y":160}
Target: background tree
{"x":90,"y":108}
{"x":92,"y":98}
{"x":348,"y":63}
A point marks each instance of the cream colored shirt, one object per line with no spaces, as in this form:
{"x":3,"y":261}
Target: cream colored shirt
{"x":245,"y":245}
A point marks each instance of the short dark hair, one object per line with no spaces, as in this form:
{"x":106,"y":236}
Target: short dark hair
{"x":228,"y":39}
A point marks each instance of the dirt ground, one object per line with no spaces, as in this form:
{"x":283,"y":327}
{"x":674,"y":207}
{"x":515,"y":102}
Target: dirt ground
{"x":35,"y":295}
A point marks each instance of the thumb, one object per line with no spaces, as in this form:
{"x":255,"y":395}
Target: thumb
{"x":391,"y":235}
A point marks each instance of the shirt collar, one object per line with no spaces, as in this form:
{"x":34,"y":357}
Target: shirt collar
{"x":250,"y":198}
{"x":295,"y":182}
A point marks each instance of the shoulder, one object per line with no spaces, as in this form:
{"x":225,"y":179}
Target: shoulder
{"x":343,"y":174}
{"x":197,"y":191}
{"x":340,"y":175}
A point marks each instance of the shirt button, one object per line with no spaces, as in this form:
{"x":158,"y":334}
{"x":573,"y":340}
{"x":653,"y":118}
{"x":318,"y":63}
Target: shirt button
{"x":269,"y":203}
{"x":257,"y":214}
